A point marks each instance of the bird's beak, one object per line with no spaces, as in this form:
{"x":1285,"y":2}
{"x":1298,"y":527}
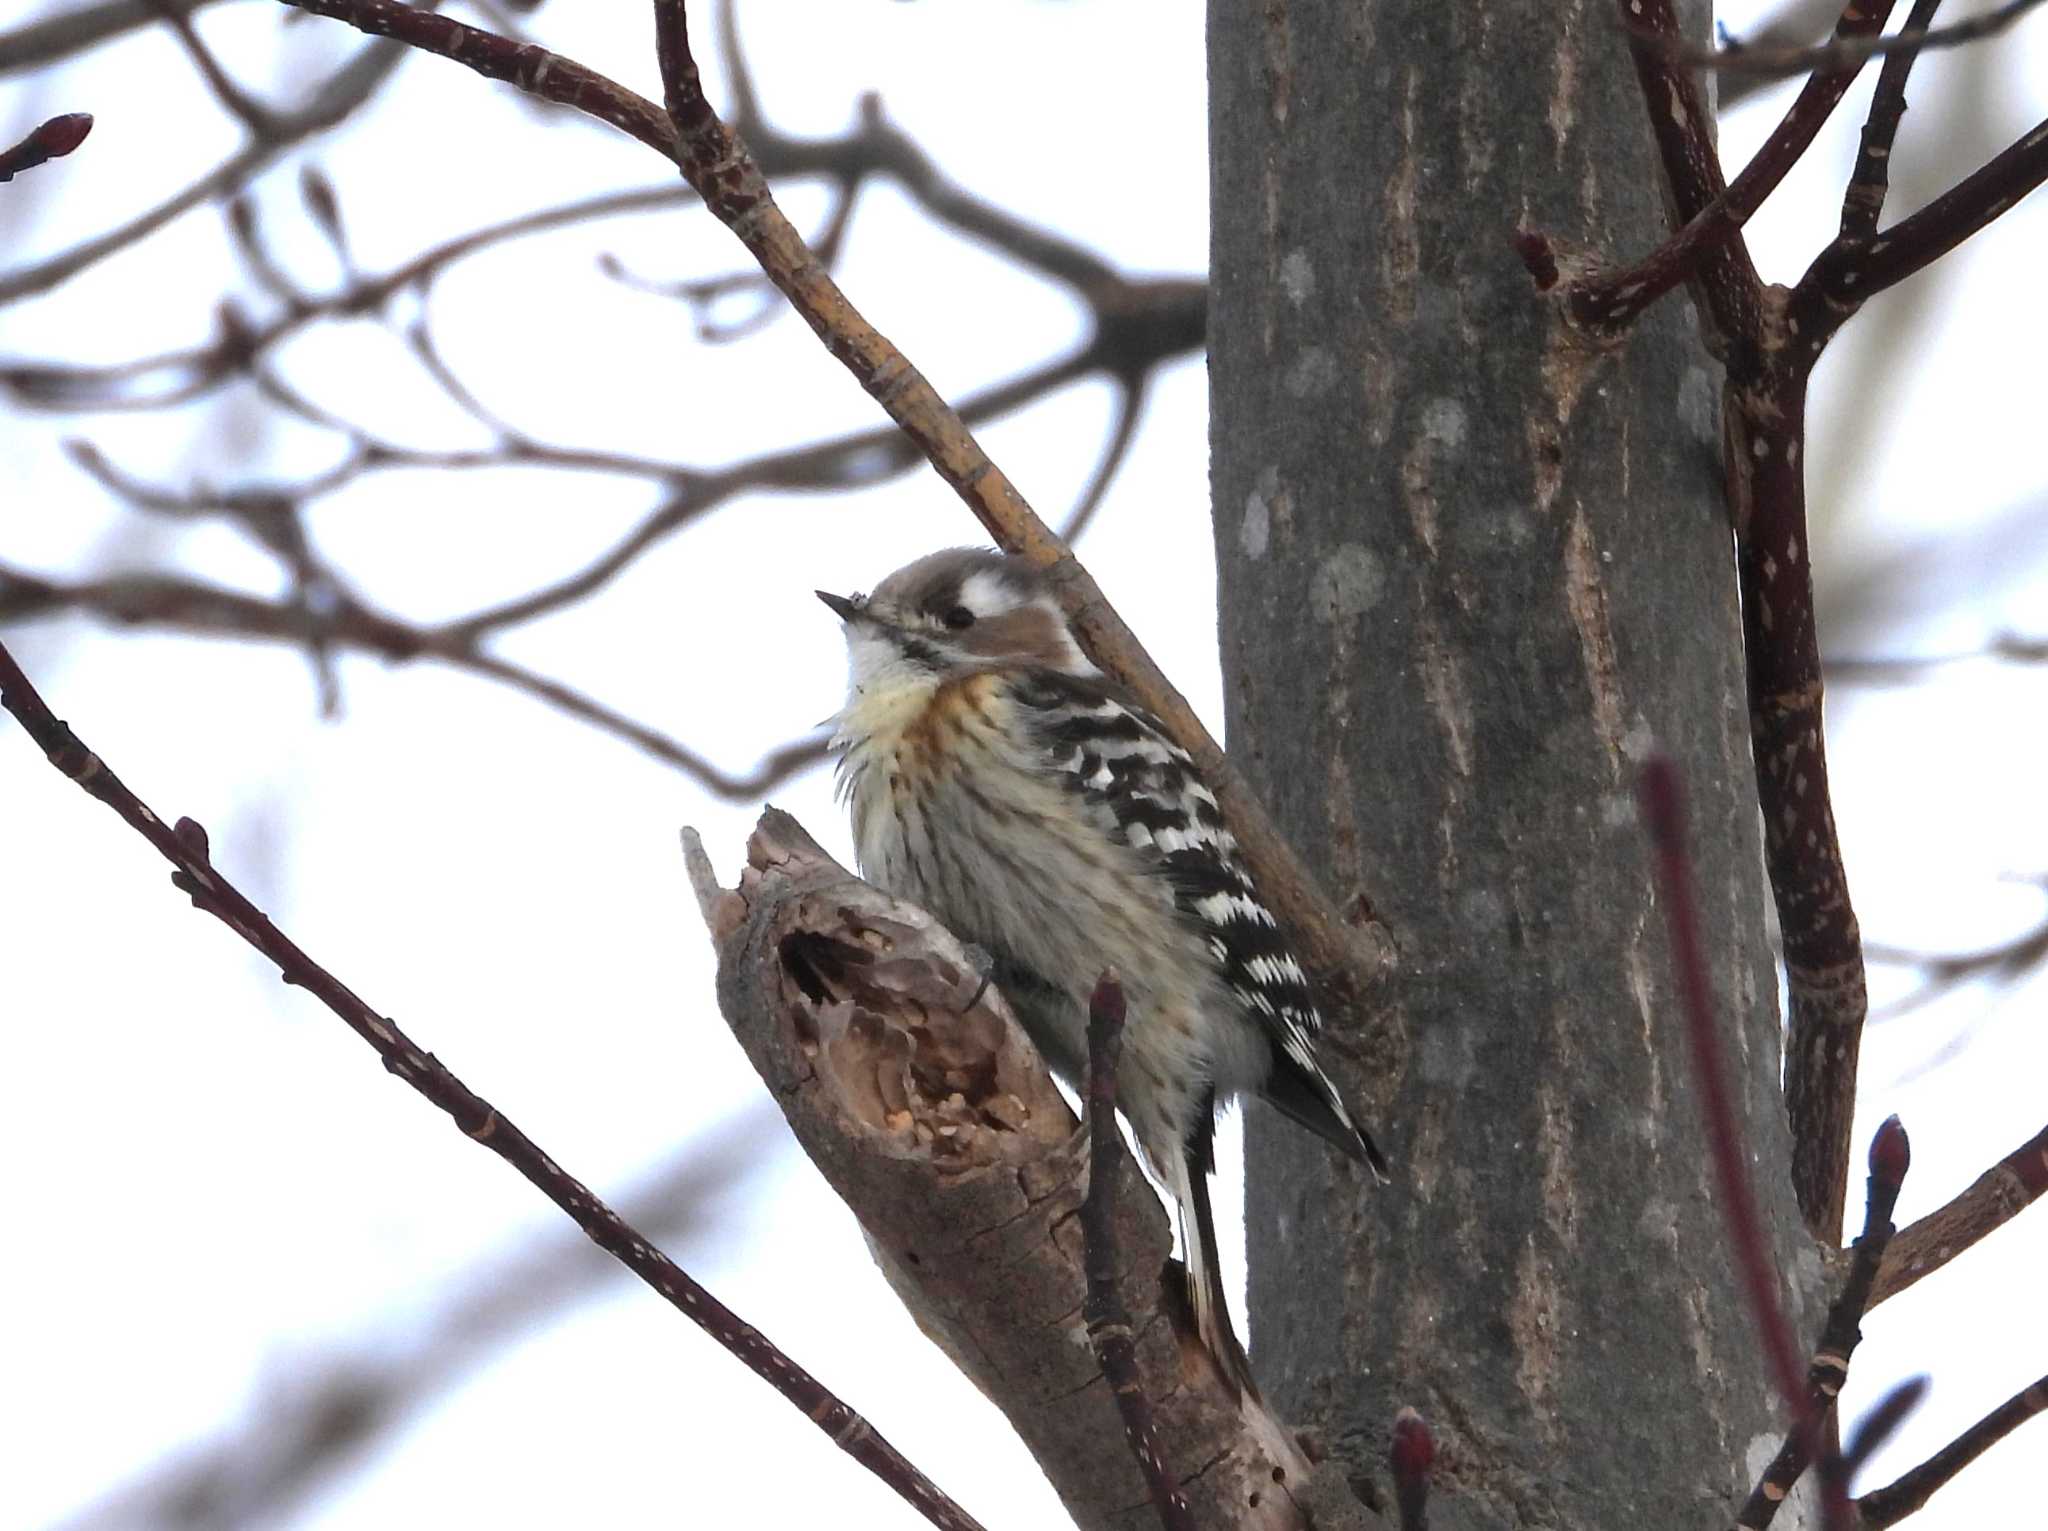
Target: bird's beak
{"x":849,"y":609}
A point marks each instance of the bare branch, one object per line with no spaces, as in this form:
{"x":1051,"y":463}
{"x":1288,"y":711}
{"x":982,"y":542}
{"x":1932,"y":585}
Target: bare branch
{"x":1942,"y":971}
{"x":1794,"y":24}
{"x":1777,"y":63}
{"x":2006,"y":648}
{"x":1108,"y":1321}
{"x":1609,"y":301}
{"x":731,"y":183}
{"x":1764,"y":421}
{"x":1890,"y":1157}
{"x":1683,"y":129}
{"x":338,"y":96}
{"x":334,"y":1403}
{"x":909,"y":1083}
{"x":1659,"y":797}
{"x":1869,"y":183}
{"x":1130,"y":407}
{"x":734,"y":187}
{"x":1843,"y":277}
{"x":187,"y":605}
{"x":185,"y":847}
{"x":1895,"y":1501}
{"x":1993,"y":1199}
{"x":76,"y":30}
{"x":532,"y":68}
{"x":238,"y":103}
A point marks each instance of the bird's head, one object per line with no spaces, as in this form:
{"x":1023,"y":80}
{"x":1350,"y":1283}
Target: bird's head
{"x":953,"y":613}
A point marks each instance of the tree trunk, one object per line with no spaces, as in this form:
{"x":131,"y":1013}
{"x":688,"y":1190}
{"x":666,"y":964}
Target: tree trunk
{"x":1470,"y":573}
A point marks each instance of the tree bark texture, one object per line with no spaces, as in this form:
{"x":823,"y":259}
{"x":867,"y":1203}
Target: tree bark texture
{"x":912,"y":1088}
{"x":1471,"y":572}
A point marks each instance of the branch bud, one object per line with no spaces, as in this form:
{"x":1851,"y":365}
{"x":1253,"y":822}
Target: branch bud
{"x":1107,"y":1002}
{"x":60,"y":135}
{"x":1411,"y":1455}
{"x":1891,"y":1153}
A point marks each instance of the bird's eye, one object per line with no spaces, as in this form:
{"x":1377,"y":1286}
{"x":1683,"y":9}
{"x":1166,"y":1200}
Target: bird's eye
{"x":957,"y":617}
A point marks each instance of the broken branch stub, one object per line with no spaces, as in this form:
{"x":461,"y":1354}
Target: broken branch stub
{"x":912,"y":1088}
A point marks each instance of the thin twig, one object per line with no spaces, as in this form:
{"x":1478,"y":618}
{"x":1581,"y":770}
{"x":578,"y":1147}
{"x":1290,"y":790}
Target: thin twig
{"x":1609,"y":301}
{"x":1890,"y":1157}
{"x":338,"y":96}
{"x":1683,"y":129}
{"x":1942,"y":971}
{"x":331,"y":1403}
{"x":1108,"y":1321}
{"x":1842,"y":279}
{"x":1891,"y":1504}
{"x":1839,"y":53}
{"x":185,"y":847}
{"x":1993,"y":1199}
{"x":78,"y":28}
{"x":1870,"y":181}
{"x":1882,"y":670}
{"x":1411,"y":1454}
{"x":1660,"y":798}
{"x":238,"y":103}
{"x":725,"y":175}
{"x":734,"y":188}
{"x":192,"y":606}
{"x":1130,"y":406}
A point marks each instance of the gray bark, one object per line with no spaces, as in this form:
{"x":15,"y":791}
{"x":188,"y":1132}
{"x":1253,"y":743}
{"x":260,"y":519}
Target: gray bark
{"x":1470,"y":573}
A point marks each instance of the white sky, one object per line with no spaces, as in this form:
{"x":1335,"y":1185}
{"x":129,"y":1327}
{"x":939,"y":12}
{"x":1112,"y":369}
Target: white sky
{"x":217,"y":1189}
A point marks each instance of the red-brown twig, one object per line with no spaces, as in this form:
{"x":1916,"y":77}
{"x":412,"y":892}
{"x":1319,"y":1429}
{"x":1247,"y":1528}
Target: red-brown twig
{"x":1682,"y":128}
{"x":1845,"y":275}
{"x":1609,"y":301}
{"x":1891,"y":1504}
{"x":1764,"y":432}
{"x":1770,"y":351}
{"x":1411,"y":1454}
{"x":1869,"y":182}
{"x":1108,"y":1321}
{"x":1660,"y":797}
{"x":1994,"y":1199}
{"x":52,"y":140}
{"x":185,"y":847}
{"x":533,"y":69}
{"x":1890,"y":1157}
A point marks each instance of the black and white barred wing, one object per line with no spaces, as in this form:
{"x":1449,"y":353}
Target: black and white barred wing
{"x":1120,"y":759}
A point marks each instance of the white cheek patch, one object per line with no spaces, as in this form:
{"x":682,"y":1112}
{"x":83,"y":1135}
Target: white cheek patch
{"x":871,"y":658}
{"x":985,"y":593}
{"x":884,"y":689}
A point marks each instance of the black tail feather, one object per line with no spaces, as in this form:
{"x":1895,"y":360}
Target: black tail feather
{"x":1204,"y":1268}
{"x":1291,"y":1091}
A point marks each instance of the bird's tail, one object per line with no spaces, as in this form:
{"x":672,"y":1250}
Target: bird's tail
{"x":1189,"y":1183}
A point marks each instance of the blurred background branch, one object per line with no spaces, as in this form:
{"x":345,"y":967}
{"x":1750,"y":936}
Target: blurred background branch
{"x":279,"y":376}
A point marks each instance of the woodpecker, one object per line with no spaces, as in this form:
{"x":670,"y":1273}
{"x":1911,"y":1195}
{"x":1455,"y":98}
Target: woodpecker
{"x":997,"y":778}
